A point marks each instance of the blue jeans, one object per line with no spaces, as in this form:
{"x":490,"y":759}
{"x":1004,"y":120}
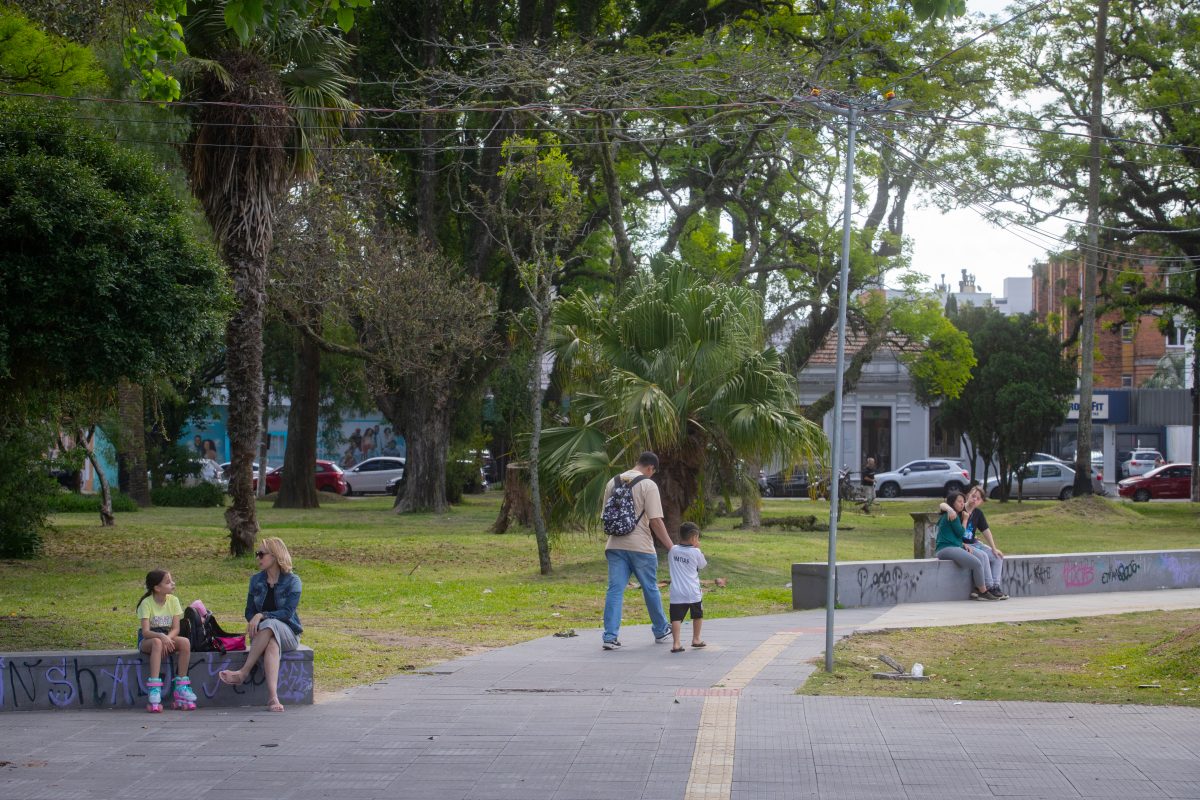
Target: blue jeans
{"x":622,"y":564}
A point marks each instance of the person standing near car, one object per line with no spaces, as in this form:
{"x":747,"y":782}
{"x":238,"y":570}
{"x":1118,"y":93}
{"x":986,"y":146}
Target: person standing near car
{"x":868,"y":483}
{"x":633,"y":553}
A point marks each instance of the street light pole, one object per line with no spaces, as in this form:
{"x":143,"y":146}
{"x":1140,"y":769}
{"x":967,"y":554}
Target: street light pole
{"x":851,"y":111}
{"x":843,"y":299}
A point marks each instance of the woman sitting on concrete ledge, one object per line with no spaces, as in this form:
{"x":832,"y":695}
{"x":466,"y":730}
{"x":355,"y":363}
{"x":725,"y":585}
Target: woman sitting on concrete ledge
{"x":951,"y":547}
{"x":271,"y":620}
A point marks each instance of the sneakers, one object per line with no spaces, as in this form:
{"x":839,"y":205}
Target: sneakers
{"x":613,"y":645}
{"x":666,"y":637}
{"x":982,"y":595}
{"x":997,"y":593}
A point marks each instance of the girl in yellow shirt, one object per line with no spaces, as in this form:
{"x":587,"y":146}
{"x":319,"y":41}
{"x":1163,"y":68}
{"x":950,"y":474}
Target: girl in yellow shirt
{"x":159,"y":612}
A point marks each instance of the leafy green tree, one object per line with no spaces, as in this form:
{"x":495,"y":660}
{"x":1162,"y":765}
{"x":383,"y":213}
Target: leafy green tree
{"x":102,"y":274}
{"x":1018,"y":392}
{"x":674,"y":364}
{"x":538,"y":213}
{"x":1150,"y":200}
{"x":34,"y":61}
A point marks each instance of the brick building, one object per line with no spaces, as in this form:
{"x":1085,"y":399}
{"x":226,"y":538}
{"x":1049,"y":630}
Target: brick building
{"x":1127,"y":355}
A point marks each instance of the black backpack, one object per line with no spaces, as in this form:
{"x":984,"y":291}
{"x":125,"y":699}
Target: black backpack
{"x":202,"y":632}
{"x":618,"y":516}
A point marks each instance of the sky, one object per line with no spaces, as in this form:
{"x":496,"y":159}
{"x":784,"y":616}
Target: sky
{"x":948,"y":243}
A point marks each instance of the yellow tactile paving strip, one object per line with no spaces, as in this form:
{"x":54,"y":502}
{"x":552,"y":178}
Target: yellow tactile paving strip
{"x":711,"y":777}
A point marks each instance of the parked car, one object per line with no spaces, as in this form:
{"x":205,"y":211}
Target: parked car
{"x":329,"y":478}
{"x":373,"y":475}
{"x":1097,"y":465}
{"x":1140,"y":462}
{"x":1044,"y":479}
{"x":930,"y":477}
{"x":472,"y":485}
{"x":225,"y":469}
{"x":204,"y":470}
{"x":785,"y":483}
{"x":1170,"y":480}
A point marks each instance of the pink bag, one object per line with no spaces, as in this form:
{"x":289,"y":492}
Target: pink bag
{"x":228,"y":643}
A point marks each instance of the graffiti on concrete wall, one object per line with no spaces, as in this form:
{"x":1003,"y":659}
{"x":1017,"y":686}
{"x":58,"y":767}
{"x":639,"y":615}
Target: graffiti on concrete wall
{"x":886,"y":585}
{"x":87,"y":682}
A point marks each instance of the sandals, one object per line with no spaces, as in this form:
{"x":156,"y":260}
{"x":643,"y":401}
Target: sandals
{"x":676,"y":649}
{"x":699,"y":644}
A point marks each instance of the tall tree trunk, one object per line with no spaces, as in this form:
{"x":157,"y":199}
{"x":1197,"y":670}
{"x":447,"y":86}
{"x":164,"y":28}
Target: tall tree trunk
{"x":131,"y":450}
{"x":238,"y":164}
{"x":88,"y":440}
{"x":751,"y":498}
{"x":264,"y":442}
{"x":1087,"y":337}
{"x":298,"y":490}
{"x":678,"y":482}
{"x":425,"y":423}
{"x":535,"y":442}
{"x":243,"y":383}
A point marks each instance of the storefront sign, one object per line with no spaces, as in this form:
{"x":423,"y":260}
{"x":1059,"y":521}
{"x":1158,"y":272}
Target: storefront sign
{"x":1099,"y":407}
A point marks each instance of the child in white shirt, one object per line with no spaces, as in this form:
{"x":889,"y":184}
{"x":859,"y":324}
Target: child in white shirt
{"x":685,"y":561}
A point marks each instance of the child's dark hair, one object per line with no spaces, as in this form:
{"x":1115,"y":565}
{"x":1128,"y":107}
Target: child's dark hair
{"x":153,"y":578}
{"x":952,"y":496}
{"x":688,"y":530}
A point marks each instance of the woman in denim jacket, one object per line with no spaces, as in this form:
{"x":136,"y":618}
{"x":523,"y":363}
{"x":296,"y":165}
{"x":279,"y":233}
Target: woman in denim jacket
{"x":271,"y":620}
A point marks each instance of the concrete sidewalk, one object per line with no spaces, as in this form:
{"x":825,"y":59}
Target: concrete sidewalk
{"x":562,"y":719}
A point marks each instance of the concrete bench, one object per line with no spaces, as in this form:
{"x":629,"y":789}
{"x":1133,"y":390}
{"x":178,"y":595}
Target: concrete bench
{"x":117,"y":679}
{"x":888,"y":583}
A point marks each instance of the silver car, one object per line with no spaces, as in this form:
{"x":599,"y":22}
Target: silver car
{"x":373,"y":475}
{"x":928,"y":476}
{"x":1044,"y":479}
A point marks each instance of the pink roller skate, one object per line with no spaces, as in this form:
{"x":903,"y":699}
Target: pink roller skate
{"x":185,"y":698}
{"x":154,"y":705}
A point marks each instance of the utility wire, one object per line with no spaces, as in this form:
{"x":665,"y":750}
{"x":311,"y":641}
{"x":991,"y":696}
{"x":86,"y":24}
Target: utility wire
{"x":1043,"y":239}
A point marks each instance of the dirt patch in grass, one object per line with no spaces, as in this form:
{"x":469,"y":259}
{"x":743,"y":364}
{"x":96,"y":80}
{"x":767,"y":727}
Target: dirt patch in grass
{"x":1078,"y":509}
{"x":1148,"y":658}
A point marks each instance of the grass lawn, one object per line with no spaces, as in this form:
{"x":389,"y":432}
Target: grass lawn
{"x":1151,"y":658}
{"x":386,"y":593}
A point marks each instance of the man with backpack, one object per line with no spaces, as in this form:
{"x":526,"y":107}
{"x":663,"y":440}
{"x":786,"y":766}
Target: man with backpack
{"x":632,"y":518}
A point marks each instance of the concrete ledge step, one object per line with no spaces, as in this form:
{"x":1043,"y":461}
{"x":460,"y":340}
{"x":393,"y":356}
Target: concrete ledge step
{"x":888,"y":583}
{"x":36,"y":681}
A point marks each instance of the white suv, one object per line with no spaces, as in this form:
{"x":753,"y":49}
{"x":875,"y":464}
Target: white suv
{"x":1140,"y":462}
{"x":929,"y":476}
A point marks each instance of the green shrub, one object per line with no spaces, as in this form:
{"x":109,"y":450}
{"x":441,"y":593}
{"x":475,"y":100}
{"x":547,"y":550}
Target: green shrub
{"x":25,"y":490}
{"x":204,"y":495}
{"x":71,"y":503}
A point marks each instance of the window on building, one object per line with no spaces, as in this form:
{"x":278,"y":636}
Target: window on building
{"x":1127,"y":333}
{"x":1177,"y":336}
{"x":1126,"y":381}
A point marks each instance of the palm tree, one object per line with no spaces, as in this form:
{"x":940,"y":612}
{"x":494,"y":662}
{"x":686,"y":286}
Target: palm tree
{"x":676,"y":365}
{"x":259,"y":106}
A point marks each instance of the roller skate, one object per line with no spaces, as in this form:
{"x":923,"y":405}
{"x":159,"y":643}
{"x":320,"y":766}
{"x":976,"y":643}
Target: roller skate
{"x":154,"y":704}
{"x":185,"y":698}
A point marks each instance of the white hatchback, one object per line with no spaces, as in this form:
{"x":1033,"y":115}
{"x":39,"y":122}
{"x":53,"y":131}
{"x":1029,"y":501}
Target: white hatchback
{"x":372,"y":476}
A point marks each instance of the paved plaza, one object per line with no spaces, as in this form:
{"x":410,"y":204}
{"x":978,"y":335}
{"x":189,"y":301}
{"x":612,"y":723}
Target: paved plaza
{"x":558,"y":718}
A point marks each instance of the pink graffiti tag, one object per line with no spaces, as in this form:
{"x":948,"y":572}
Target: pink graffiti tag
{"x":1078,"y":574}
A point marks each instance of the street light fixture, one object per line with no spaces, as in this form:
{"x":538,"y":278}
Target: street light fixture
{"x":852,"y":109}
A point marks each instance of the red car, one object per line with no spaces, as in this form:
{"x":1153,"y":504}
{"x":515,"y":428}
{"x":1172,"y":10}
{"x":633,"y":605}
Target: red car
{"x":328,"y":476}
{"x":1170,"y":480}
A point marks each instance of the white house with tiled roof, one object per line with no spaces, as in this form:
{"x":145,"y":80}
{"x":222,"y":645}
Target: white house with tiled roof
{"x":881,"y":417}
